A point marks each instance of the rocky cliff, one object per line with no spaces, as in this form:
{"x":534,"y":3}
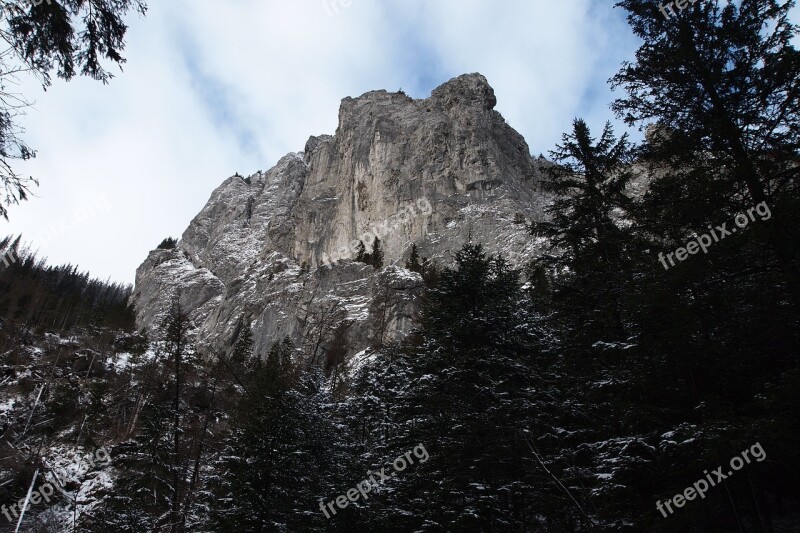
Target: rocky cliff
{"x":276,"y":249}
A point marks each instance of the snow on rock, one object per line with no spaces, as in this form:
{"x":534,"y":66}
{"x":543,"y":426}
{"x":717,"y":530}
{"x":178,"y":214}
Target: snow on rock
{"x":435,"y":172}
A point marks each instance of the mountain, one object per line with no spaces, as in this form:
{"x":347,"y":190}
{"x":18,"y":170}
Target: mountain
{"x":276,"y":250}
{"x":589,"y":398}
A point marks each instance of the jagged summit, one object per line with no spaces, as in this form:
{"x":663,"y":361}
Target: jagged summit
{"x":431,"y":172}
{"x":467,"y":90}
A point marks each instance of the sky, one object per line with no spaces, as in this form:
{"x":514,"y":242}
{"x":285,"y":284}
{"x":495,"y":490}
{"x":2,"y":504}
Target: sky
{"x":212,"y":88}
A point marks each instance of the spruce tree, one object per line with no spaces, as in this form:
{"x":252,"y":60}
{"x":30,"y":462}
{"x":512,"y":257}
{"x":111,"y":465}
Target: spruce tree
{"x":719,"y":82}
{"x":413,"y":264}
{"x":65,"y":38}
{"x":280,"y":456}
{"x":176,"y":340}
{"x":476,"y":387}
{"x":376,"y":257}
{"x":361,"y":254}
{"x":168,"y":244}
{"x":243,"y":349}
{"x":589,"y":177}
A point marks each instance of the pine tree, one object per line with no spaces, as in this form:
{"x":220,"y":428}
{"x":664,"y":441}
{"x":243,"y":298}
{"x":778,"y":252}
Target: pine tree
{"x":476,"y":386}
{"x":361,"y":254}
{"x":177,"y":346}
{"x":168,"y":244}
{"x":67,"y":38}
{"x":376,"y":257}
{"x":142,"y":495}
{"x":714,"y":82}
{"x":475,"y":303}
{"x":280,"y":456}
{"x":430,"y":273}
{"x":413,"y":264}
{"x":335,"y":355}
{"x":280,"y":363}
{"x":720,"y":83}
{"x":590,"y":178}
{"x":590,"y":181}
{"x":243,"y":349}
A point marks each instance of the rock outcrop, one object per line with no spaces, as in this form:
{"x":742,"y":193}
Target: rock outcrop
{"x":276,"y":249}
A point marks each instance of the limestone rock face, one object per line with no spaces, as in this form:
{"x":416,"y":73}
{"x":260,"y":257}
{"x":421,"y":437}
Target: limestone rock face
{"x":276,"y":249}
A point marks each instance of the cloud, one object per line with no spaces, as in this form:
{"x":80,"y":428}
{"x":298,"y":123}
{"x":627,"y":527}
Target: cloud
{"x":211,"y":89}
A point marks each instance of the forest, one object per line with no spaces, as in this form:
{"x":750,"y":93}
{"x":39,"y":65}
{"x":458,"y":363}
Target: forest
{"x":592,"y":390}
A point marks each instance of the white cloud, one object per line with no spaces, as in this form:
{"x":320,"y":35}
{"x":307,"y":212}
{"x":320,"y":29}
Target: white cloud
{"x":211,"y":88}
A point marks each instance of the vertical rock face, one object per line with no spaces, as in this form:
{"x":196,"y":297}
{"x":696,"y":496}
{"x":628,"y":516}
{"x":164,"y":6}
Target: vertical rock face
{"x":276,"y":249}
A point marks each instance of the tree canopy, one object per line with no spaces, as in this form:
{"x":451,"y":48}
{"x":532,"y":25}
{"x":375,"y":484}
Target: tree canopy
{"x":61,"y":38}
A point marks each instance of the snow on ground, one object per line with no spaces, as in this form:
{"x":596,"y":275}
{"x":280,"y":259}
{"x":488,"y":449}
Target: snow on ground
{"x":403,"y":274}
{"x":359,"y":360}
{"x":78,"y":475}
{"x":7,"y":405}
{"x":35,"y":351}
{"x":120,"y":362}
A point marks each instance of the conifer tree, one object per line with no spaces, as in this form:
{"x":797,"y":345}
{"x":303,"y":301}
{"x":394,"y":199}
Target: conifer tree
{"x":280,"y":455}
{"x":168,"y":244}
{"x":473,"y":304}
{"x":65,"y":38}
{"x":279,"y":364}
{"x":335,"y":355}
{"x":430,"y":272}
{"x":376,"y":256}
{"x":176,"y":343}
{"x":142,"y":496}
{"x":590,"y":181}
{"x":413,"y":264}
{"x":589,"y":178}
{"x":476,"y":384}
{"x":243,"y":349}
{"x":361,"y":254}
{"x":719,"y":83}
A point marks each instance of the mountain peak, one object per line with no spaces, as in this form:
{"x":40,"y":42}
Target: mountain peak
{"x":275,"y":249}
{"x":467,"y":89}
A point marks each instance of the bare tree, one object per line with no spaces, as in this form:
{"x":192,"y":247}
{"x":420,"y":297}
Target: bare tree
{"x":317,"y":326}
{"x":336,"y":353}
{"x":379,"y":310}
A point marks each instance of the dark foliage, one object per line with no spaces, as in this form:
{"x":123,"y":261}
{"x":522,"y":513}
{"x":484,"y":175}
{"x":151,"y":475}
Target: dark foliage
{"x":168,"y":244}
{"x":38,"y":297}
{"x":65,"y":37}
